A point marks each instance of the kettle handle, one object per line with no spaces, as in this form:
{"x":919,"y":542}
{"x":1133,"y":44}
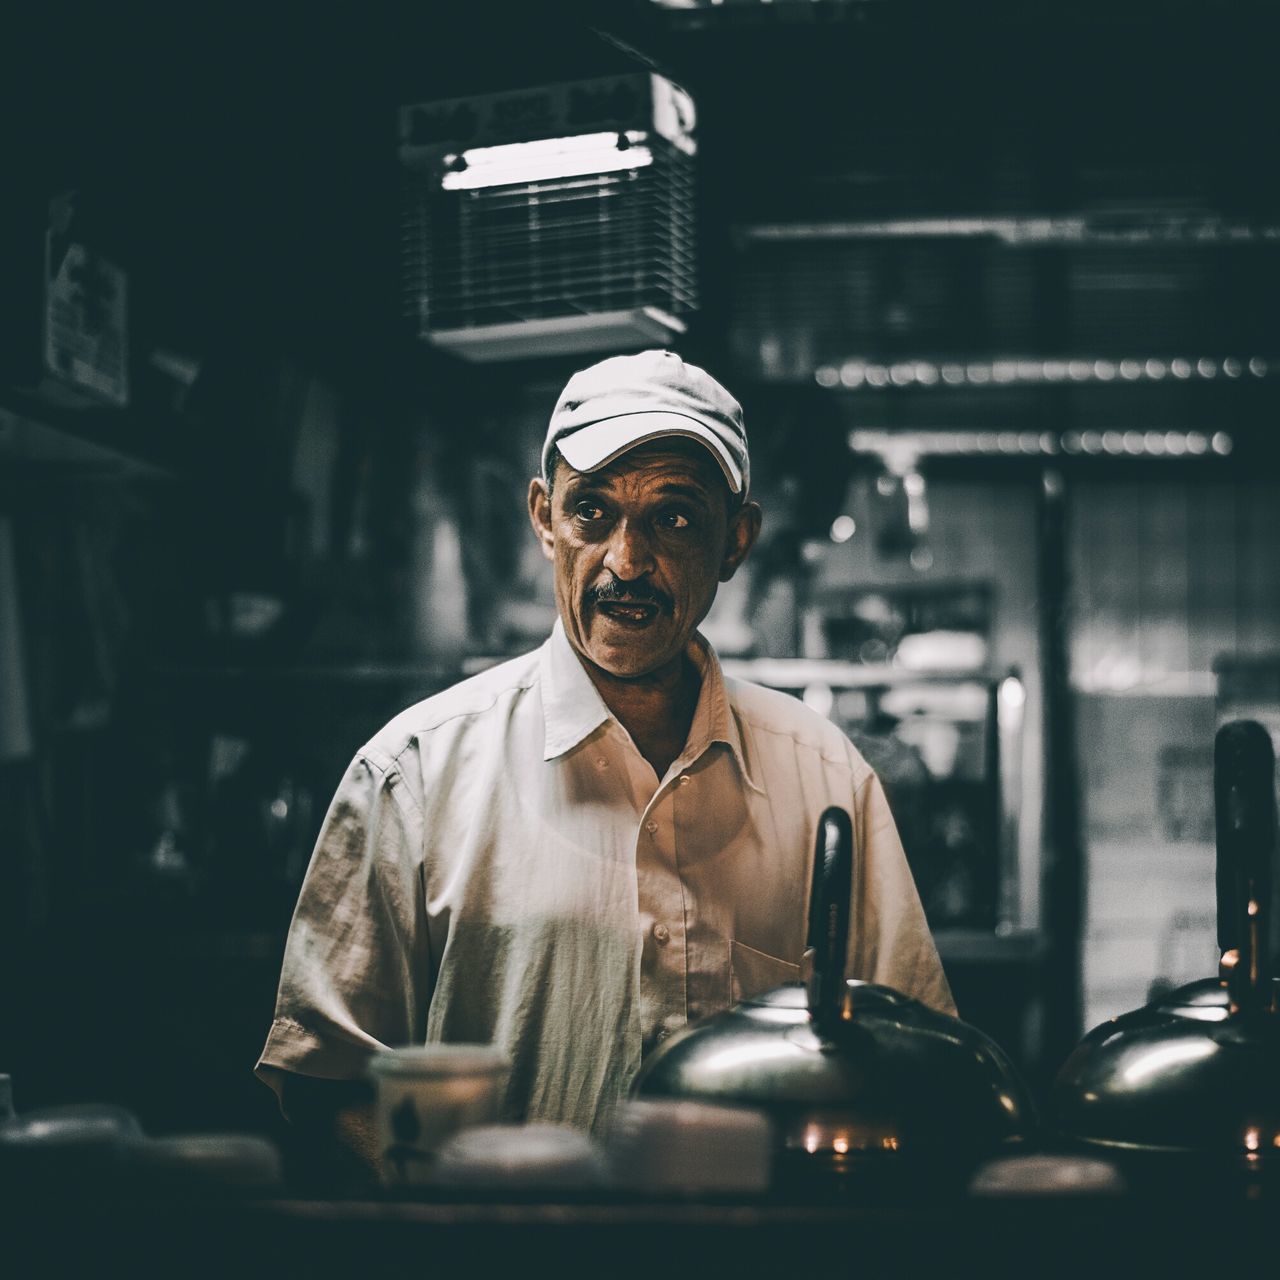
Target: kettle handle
{"x":829,"y":906}
{"x":1245,"y":808}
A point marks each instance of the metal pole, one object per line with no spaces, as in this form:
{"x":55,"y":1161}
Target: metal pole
{"x":1062,"y":842}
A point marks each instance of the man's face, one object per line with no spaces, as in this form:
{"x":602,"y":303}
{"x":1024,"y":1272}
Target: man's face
{"x":639,"y":548}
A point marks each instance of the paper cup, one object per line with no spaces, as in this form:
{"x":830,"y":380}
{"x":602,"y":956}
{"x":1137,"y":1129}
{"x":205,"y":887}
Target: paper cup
{"x":424,"y":1095}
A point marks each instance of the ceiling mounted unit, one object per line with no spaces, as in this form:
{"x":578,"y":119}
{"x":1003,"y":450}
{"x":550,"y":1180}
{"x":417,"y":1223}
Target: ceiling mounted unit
{"x":550,"y":221}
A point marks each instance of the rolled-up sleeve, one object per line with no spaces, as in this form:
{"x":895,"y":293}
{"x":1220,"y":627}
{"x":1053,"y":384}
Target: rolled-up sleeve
{"x":893,"y":946}
{"x":357,"y":969}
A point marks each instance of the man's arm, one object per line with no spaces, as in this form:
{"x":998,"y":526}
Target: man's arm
{"x":356,"y":974}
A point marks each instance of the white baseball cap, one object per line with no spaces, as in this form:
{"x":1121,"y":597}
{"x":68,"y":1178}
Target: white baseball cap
{"x":626,"y":401}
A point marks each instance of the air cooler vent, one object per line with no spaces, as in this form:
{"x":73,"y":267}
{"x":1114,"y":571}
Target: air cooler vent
{"x":554,"y":221}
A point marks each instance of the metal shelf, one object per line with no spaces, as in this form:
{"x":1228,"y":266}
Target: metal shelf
{"x":799,"y":673}
{"x":43,"y":445}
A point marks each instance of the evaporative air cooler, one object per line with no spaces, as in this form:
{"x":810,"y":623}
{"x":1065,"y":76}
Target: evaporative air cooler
{"x":550,"y":221}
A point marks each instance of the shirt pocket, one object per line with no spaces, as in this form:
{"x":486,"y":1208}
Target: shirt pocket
{"x":754,"y":972}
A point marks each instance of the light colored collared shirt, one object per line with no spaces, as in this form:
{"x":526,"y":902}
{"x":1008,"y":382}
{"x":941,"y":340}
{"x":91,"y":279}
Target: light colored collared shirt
{"x":501,"y":865}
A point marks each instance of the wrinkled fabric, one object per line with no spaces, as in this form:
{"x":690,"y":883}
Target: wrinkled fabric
{"x":501,"y":865}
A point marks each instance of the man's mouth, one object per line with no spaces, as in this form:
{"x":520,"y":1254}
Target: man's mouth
{"x":633,"y":613}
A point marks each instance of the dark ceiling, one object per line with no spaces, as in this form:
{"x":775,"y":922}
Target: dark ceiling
{"x":242,"y":159}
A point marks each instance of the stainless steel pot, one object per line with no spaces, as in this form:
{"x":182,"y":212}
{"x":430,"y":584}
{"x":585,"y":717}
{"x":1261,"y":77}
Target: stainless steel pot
{"x":857,"y":1078}
{"x":1197,"y":1074}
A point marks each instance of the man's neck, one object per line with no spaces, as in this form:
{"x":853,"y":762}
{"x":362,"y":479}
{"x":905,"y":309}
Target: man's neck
{"x":656,"y":709}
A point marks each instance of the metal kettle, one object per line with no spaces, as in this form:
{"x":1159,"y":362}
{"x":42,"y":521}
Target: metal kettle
{"x":856,"y":1078}
{"x":1197,"y":1073}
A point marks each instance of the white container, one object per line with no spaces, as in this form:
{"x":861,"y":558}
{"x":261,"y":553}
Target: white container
{"x":504,"y":1157}
{"x":680,"y":1145}
{"x":427,"y":1093}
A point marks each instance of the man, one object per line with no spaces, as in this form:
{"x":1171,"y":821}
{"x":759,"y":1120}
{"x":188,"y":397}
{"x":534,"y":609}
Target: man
{"x":577,"y":852}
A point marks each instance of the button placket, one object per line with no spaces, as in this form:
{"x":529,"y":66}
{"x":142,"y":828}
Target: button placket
{"x":664,"y":904}
{"x":680,"y":801}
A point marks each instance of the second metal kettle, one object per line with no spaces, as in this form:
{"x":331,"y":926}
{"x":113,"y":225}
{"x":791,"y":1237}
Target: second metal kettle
{"x":1197,"y":1074}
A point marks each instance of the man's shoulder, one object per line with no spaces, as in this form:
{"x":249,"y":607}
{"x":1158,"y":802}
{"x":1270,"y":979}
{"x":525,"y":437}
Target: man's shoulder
{"x":787,"y":719}
{"x":475,"y":698}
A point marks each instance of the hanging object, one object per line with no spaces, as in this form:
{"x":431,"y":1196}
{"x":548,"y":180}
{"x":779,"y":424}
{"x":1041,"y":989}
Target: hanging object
{"x":85,"y":313}
{"x":550,"y":221}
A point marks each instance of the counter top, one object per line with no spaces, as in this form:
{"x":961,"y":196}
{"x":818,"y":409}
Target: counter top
{"x":623,"y":1237}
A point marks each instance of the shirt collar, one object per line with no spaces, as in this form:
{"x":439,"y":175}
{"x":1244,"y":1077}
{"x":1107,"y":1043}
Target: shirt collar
{"x":572,"y":707}
{"x":713,"y":718}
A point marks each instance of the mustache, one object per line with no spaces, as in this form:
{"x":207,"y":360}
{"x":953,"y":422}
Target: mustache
{"x":617,"y":592}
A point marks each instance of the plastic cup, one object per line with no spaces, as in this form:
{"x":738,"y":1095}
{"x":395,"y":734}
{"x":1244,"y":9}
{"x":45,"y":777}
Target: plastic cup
{"x":426,"y":1094}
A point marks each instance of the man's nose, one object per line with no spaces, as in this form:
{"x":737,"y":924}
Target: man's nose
{"x":630,"y":552}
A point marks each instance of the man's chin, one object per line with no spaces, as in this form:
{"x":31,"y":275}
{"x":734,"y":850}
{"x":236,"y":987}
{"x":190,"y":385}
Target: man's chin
{"x":625,"y":667}
{"x":625,"y":661}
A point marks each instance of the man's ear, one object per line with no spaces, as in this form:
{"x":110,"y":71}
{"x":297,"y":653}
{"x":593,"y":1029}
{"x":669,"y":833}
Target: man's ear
{"x":540,"y":516}
{"x":744,"y":529}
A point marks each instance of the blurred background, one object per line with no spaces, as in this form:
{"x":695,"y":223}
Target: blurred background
{"x":288,"y":295}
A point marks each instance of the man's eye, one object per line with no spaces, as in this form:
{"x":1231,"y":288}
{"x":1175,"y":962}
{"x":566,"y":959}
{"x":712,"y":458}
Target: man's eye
{"x":673,"y":520}
{"x":587,"y":511}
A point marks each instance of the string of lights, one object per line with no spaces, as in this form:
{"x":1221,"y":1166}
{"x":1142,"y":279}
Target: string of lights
{"x":856,"y":373}
{"x":1151,"y":444}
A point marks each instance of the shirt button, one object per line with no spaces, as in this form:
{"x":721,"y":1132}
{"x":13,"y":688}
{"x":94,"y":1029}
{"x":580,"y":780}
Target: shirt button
{"x":661,"y":934}
{"x":602,"y":763}
{"x":684,"y":779}
{"x":651,"y":826}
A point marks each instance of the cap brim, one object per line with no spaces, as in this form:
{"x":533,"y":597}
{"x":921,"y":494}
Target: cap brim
{"x":595,"y":446}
